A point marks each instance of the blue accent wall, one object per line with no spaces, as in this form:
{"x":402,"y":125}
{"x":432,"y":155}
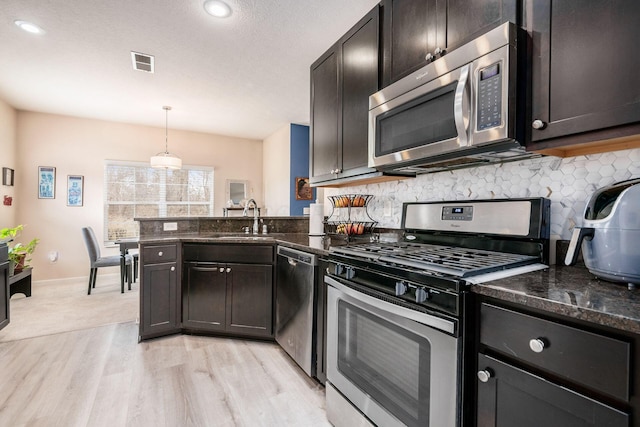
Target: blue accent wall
{"x":299,"y":162}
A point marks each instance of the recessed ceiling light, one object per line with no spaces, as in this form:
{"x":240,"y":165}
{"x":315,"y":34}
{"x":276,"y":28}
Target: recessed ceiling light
{"x":217,"y":8}
{"x":29,"y":27}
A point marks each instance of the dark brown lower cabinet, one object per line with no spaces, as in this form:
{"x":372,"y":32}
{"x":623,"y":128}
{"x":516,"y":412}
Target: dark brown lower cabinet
{"x":228,"y":297}
{"x":204,"y":296}
{"x":538,"y":369}
{"x":4,"y":294}
{"x":159,"y":296}
{"x":514,"y":397}
{"x":159,"y":291}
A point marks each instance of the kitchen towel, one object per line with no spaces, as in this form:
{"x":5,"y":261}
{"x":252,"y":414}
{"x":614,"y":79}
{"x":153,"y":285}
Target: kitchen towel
{"x":316,"y":219}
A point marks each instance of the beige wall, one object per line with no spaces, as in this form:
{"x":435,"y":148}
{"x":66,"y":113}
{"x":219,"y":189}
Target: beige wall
{"x":8,"y":160}
{"x":77,"y":146}
{"x":276,"y":159}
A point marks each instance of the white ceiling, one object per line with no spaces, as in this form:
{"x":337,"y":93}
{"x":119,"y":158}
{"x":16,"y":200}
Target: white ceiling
{"x":244,"y":76}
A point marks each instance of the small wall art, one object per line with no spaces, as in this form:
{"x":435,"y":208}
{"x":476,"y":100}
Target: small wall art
{"x":303,"y":190}
{"x":46,"y":182}
{"x":7,"y":177}
{"x":75,"y":190}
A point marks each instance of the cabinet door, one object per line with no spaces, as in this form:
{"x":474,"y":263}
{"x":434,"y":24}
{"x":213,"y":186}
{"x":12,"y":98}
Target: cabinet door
{"x":204,"y":297}
{"x":4,"y":295}
{"x":584,"y":67}
{"x":159,"y":299}
{"x":409,"y":34}
{"x":513,"y":397}
{"x":250,"y":299}
{"x":460,"y":21}
{"x":324,"y":117}
{"x":359,"y":65}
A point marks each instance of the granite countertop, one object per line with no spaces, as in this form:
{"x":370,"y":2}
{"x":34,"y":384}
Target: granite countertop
{"x":316,"y":244}
{"x":571,"y":292}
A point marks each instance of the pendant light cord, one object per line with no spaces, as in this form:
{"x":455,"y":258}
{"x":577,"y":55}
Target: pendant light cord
{"x":166,"y":129}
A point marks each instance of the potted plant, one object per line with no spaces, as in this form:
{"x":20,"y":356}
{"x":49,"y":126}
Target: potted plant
{"x":19,"y":254}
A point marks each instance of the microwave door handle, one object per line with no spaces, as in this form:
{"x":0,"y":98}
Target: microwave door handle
{"x":461,"y":106}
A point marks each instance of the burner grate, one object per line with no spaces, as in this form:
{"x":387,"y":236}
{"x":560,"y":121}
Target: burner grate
{"x":454,"y":261}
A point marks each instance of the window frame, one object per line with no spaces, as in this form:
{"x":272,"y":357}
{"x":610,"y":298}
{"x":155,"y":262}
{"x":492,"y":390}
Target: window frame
{"x":162,"y":201}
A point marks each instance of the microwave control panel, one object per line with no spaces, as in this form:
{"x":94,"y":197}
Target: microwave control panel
{"x":489,"y":113}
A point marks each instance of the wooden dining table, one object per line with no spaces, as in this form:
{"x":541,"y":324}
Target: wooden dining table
{"x":125,"y":245}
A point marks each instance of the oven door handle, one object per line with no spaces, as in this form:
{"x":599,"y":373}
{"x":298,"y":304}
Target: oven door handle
{"x":435,"y":322}
{"x":461,"y":110}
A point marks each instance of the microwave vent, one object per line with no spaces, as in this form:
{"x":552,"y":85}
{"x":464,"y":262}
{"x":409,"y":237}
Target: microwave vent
{"x":142,"y":62}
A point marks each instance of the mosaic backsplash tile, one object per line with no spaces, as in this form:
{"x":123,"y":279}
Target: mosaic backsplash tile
{"x":568,"y":183}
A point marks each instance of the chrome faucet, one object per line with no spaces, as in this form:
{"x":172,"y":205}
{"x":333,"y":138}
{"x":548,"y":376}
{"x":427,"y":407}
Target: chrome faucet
{"x":256,"y":227}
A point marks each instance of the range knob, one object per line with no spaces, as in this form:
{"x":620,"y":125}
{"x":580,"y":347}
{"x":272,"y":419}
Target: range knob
{"x":350,"y":273}
{"x":421,"y":295}
{"x":339,"y":269}
{"x":401,"y":288}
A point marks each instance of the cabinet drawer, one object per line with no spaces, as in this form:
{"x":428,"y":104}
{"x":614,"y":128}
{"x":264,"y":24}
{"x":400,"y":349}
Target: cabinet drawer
{"x":244,"y":253}
{"x":160,"y":253}
{"x":509,"y":397}
{"x":589,"y":359}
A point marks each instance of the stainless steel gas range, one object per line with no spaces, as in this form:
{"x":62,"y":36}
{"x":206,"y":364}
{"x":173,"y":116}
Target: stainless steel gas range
{"x":398,"y":312}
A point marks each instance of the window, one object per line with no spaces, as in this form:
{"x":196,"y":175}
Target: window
{"x":135,"y":190}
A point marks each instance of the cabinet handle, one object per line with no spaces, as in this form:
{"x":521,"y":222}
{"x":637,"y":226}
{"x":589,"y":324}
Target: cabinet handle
{"x":438,"y":52}
{"x":160,"y":253}
{"x":538,"y":124}
{"x":173,"y":269}
{"x":484,"y":375}
{"x":228,"y":269}
{"x":536,"y":345}
{"x":429,"y":57}
{"x":221,"y":270}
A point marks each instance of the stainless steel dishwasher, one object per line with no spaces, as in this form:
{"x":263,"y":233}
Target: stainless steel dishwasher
{"x":295,"y":306}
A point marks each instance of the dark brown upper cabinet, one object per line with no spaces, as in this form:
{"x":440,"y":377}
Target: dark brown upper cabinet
{"x":341,"y":81}
{"x":585,"y":78}
{"x":417,"y":31}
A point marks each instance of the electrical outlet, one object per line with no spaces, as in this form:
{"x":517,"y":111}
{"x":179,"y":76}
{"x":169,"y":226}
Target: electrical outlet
{"x":388,"y":209}
{"x":170,"y":226}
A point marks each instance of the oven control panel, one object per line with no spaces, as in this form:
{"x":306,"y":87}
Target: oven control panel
{"x":457,"y":213}
{"x":408,"y":291}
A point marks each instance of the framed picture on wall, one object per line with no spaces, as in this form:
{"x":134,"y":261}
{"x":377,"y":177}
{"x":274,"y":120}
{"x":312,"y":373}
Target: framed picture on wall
{"x":7,"y":176}
{"x":75,"y":190}
{"x":46,"y":182}
{"x":303,"y":190}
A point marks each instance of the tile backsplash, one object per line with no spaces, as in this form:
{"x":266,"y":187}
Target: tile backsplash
{"x":567,"y":182}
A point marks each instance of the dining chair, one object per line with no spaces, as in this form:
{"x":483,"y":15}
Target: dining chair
{"x":97,"y":261}
{"x":135,"y":254}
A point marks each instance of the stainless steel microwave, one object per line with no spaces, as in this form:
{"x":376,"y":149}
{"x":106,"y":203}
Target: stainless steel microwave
{"x":460,"y":110}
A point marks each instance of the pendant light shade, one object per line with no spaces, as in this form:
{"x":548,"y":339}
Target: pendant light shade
{"x":165,"y":159}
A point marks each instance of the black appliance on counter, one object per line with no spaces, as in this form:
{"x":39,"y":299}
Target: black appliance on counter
{"x":397,"y":312}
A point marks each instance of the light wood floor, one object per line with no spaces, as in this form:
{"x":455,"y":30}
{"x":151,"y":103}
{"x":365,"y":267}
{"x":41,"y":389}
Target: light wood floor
{"x":101,"y":376}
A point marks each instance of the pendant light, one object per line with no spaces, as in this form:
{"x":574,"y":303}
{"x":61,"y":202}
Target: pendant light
{"x":165,"y":159}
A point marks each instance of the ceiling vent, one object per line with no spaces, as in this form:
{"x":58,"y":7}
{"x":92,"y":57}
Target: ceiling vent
{"x":142,"y":62}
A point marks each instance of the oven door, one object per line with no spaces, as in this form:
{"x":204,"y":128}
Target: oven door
{"x":397,"y":366}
